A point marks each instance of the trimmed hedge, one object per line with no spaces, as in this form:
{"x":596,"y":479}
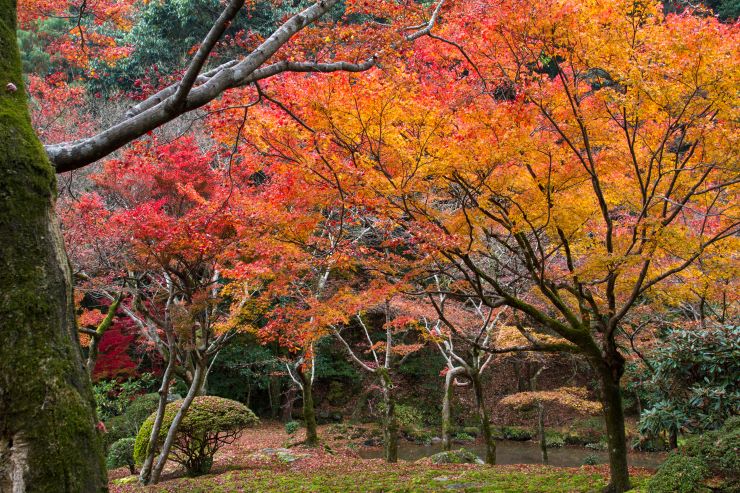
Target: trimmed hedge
{"x":210,"y":423}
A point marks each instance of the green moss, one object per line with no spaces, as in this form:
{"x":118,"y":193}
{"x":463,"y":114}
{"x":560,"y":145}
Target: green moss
{"x":47,"y":401}
{"x":413,"y":478}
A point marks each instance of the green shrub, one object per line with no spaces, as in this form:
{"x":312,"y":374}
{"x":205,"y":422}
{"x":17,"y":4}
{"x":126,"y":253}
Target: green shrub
{"x":516,"y":433}
{"x":112,"y":398}
{"x":210,"y":423}
{"x":679,"y":474}
{"x":719,"y":448}
{"x":291,"y":427}
{"x":471,"y":430}
{"x":409,"y":416}
{"x":121,"y":454}
{"x":590,"y":460}
{"x":128,"y":423}
{"x":600,"y":445}
{"x":554,"y":439}
{"x":464,"y":437}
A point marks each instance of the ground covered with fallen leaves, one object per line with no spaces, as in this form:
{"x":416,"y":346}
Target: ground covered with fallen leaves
{"x":266,"y":459}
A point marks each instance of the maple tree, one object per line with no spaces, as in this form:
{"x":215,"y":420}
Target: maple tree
{"x":574,"y":171}
{"x":472,"y":325}
{"x":34,"y":245}
{"x":575,"y":398}
{"x":575,"y":162}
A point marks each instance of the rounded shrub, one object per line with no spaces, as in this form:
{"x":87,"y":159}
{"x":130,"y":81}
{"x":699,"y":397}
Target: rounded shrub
{"x":210,"y":423}
{"x":291,"y":427}
{"x":121,"y":454}
{"x":590,"y":460}
{"x":679,"y":474}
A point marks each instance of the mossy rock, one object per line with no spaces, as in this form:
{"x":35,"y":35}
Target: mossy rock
{"x":459,"y":456}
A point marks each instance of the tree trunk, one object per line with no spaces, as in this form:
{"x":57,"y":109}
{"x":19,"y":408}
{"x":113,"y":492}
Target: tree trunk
{"x":309,"y":412}
{"x":286,"y":410}
{"x":485,"y":426}
{"x":611,"y":400}
{"x":390,"y":423}
{"x":447,"y":407}
{"x":48,"y":437}
{"x":200,"y":370}
{"x":102,"y":328}
{"x":164,"y":389}
{"x":673,"y":439}
{"x":541,"y":431}
{"x":273,"y":390}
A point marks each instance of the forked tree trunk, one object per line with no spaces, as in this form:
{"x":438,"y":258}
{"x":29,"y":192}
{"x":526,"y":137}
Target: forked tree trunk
{"x":102,"y":328}
{"x":447,"y":407}
{"x":48,"y":437}
{"x":200,"y":370}
{"x":485,"y":425}
{"x":151,"y":451}
{"x":309,"y":411}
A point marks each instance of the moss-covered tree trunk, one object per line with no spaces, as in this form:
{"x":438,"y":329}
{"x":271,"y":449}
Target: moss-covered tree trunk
{"x":485,"y":425}
{"x":541,"y":431}
{"x":390,"y":421}
{"x":611,"y":400}
{"x":97,"y":335}
{"x":48,"y":437}
{"x":309,"y":411}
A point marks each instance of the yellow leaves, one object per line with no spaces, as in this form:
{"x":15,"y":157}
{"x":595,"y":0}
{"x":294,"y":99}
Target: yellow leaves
{"x":574,"y":398}
{"x":509,"y":336}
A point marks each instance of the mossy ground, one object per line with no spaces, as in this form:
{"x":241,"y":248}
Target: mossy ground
{"x":406,"y":478}
{"x":242,"y":467}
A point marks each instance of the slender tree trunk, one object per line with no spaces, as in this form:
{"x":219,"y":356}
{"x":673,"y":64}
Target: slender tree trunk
{"x":673,"y":439}
{"x":390,"y":422}
{"x":485,"y":425}
{"x":48,"y":437}
{"x":102,"y":328}
{"x":447,"y":407}
{"x":611,"y":399}
{"x":541,"y":431}
{"x":164,"y":389}
{"x":286,"y":410}
{"x":200,"y":369}
{"x":273,"y":388}
{"x":309,"y":412}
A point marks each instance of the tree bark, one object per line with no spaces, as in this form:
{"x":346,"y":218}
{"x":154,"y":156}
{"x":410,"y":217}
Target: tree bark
{"x":611,"y":400}
{"x":102,"y":328}
{"x":485,"y":425}
{"x":48,"y":437}
{"x":541,"y":431}
{"x":309,"y":411}
{"x":200,"y":370}
{"x":447,"y":407}
{"x":146,"y":469}
{"x":390,"y":422}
